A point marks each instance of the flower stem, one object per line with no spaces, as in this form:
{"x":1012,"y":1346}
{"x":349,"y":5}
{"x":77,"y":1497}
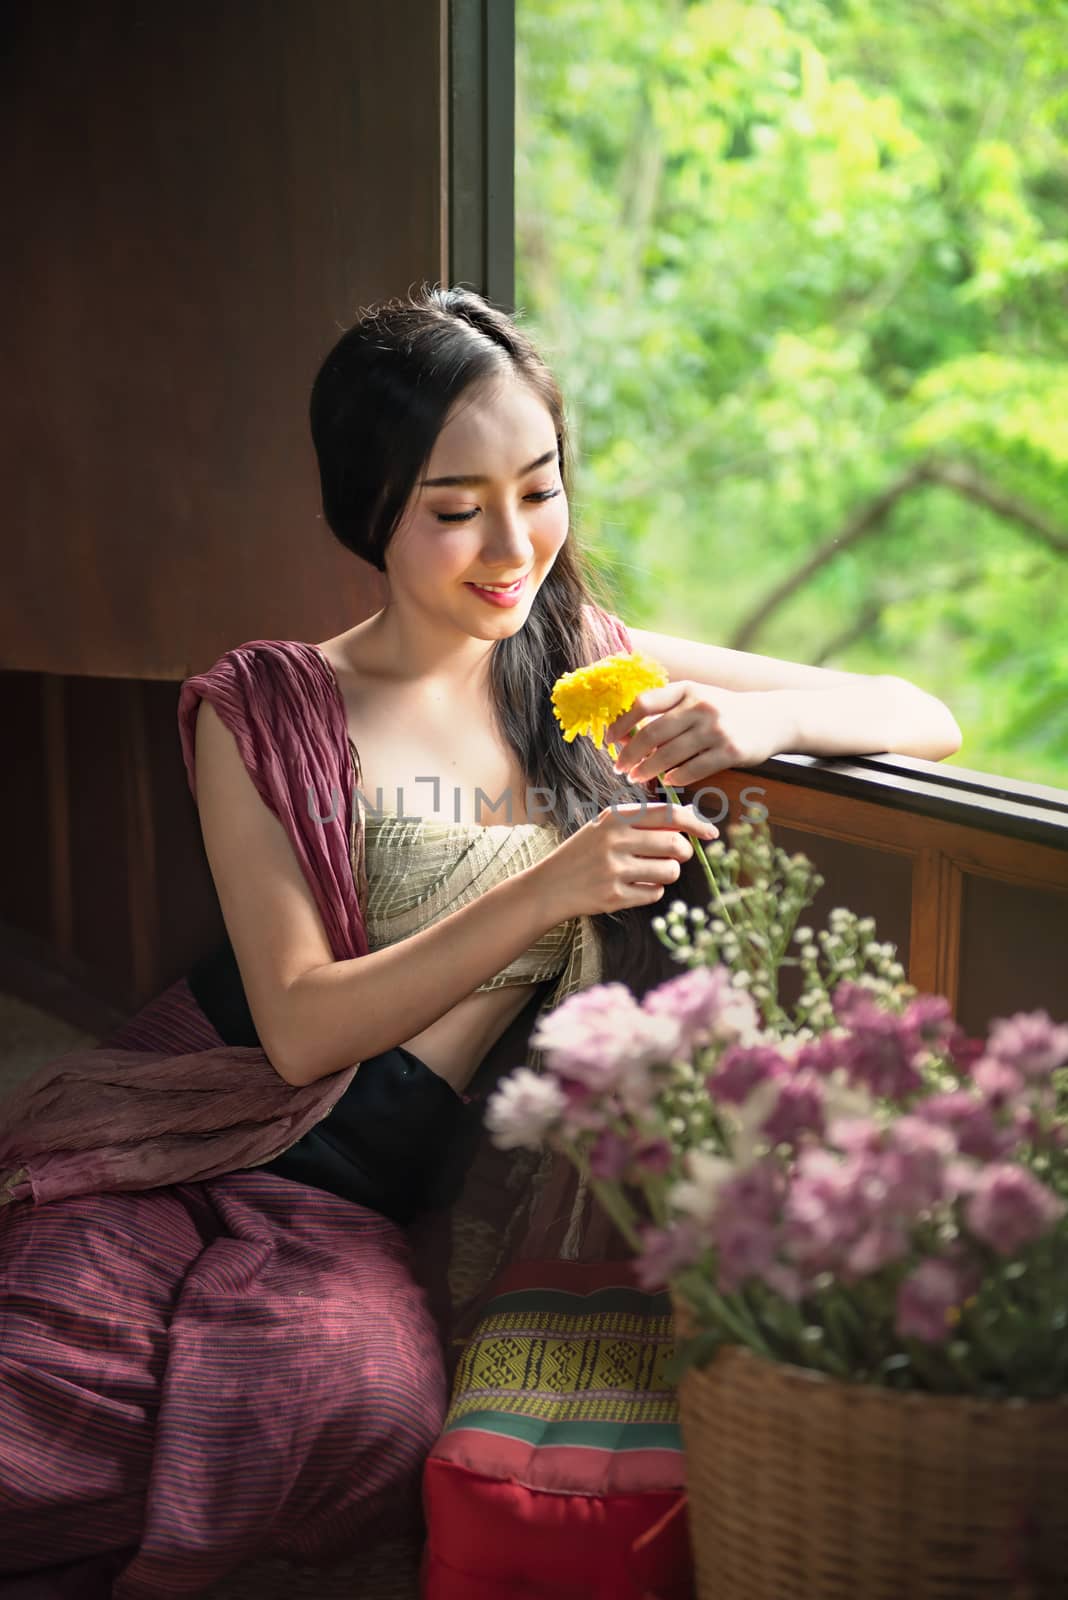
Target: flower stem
{"x":703,"y":859}
{"x":618,"y":1208}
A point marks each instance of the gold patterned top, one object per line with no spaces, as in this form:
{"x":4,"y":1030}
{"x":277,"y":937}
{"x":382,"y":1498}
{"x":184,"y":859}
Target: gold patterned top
{"x":420,"y":869}
{"x":406,"y":882}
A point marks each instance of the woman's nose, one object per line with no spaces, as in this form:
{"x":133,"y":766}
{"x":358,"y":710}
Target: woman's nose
{"x":507,"y":540}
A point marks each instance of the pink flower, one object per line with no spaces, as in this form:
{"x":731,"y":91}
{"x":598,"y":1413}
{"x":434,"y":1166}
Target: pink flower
{"x":821,"y":1213}
{"x":963,"y":1051}
{"x":929,"y":1299}
{"x":1030,"y":1042}
{"x":914,"y":1165}
{"x":997,"y":1082}
{"x":745,"y":1248}
{"x":743,"y":1068}
{"x":615,"y":1156}
{"x":885,"y":1241}
{"x":798,"y":1110}
{"x":851,"y":1000}
{"x":961,"y":1178}
{"x":880,"y":1055}
{"x":652,"y":1155}
{"x":524,"y":1109}
{"x":930,"y":1019}
{"x":1009,"y":1208}
{"x":584,"y":1111}
{"x":971,"y":1122}
{"x":755,"y":1191}
{"x":856,"y":1134}
{"x":824,"y":1054}
{"x":602,"y":1038}
{"x":665,"y":1252}
{"x":609,"y":1155}
{"x":705,"y":1006}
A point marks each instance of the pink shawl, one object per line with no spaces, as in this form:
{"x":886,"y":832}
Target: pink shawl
{"x":107,"y":1119}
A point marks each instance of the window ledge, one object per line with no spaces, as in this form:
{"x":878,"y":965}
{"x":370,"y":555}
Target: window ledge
{"x":1034,"y":812}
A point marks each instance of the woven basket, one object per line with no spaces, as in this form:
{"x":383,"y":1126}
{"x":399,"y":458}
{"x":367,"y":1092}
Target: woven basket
{"x":804,"y":1488}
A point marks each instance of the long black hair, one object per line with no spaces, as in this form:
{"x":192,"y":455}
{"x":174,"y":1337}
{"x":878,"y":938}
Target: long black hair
{"x":378,"y":404}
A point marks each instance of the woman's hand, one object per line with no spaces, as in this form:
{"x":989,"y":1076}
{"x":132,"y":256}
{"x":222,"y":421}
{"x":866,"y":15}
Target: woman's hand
{"x":694,"y":730}
{"x":624,"y":857}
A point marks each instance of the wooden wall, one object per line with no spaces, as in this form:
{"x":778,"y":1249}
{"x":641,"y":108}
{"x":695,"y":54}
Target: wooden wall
{"x":198,"y":200}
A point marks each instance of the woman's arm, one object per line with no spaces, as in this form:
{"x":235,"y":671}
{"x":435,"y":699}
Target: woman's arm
{"x":813,"y":710}
{"x":314,"y":1014}
{"x":344,"y":1011}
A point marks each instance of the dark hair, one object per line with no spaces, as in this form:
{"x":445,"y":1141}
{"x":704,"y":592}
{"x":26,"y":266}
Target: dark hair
{"x":378,"y":404}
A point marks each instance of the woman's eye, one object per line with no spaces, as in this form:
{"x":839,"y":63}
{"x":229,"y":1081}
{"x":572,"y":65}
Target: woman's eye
{"x":465,"y":516}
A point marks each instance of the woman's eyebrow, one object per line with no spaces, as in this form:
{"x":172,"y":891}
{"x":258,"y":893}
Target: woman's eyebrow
{"x":466,"y":479}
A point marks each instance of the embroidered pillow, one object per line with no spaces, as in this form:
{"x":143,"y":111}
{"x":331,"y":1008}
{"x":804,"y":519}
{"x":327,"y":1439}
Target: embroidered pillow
{"x":559,"y":1472}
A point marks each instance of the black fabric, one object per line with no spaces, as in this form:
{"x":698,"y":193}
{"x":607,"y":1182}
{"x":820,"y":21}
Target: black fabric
{"x":217,"y":988}
{"x":392,"y":1142}
{"x":400,"y":1138}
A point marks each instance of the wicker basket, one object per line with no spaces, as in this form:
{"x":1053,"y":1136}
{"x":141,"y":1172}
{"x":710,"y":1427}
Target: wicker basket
{"x":804,"y":1488}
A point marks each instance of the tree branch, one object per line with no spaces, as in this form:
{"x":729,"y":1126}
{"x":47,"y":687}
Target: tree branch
{"x":869,"y":617}
{"x":856,"y":527}
{"x":973,"y":486}
{"x":960,"y":477}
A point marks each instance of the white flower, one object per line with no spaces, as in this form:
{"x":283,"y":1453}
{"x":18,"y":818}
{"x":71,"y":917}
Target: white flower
{"x":747,"y":1120}
{"x":697,"y":1195}
{"x":841,"y":1098}
{"x":524,"y":1109}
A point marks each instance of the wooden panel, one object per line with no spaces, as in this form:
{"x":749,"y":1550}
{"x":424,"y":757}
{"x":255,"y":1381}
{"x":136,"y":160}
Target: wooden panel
{"x":101,"y":839}
{"x":189,"y":921}
{"x":936,"y":924}
{"x":1014,"y":950}
{"x":25,"y":806}
{"x":201,"y":197}
{"x":977,"y":916}
{"x":872,"y":882}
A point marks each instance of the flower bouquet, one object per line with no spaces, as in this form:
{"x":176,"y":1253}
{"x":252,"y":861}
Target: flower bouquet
{"x":861,"y":1215}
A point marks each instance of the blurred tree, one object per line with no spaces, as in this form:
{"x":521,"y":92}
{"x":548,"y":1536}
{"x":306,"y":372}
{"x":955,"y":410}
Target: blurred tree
{"x":802,"y":268}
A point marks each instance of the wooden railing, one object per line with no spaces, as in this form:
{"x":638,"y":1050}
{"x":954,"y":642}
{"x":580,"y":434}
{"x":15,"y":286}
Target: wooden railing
{"x":966,"y":873}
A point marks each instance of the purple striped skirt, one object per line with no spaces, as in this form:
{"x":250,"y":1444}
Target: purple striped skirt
{"x":199,"y":1375}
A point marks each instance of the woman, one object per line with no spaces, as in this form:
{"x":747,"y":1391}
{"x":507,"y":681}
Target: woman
{"x":273,"y":1376}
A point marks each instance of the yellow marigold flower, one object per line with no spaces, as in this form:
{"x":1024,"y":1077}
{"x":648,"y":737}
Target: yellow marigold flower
{"x":588,"y":699}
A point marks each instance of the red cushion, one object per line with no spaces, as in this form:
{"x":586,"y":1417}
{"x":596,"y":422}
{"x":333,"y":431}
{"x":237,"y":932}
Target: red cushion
{"x":560,"y":1471}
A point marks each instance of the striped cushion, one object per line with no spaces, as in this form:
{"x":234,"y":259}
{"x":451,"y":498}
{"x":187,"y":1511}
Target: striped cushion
{"x":560,"y":1471}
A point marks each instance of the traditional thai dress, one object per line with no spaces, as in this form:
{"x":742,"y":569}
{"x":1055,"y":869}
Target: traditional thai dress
{"x":201,"y":1360}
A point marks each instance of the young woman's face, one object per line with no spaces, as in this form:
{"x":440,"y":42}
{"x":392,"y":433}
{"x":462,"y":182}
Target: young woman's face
{"x":504,"y":524}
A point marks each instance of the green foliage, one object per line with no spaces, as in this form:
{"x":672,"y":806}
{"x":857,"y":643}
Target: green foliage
{"x":778,"y":253}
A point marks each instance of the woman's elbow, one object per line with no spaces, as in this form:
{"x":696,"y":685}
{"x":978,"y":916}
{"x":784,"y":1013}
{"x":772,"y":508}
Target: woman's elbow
{"x":954,"y":737}
{"x":937,"y":731}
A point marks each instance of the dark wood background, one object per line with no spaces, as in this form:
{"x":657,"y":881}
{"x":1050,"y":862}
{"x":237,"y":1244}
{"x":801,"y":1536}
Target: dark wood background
{"x":197,"y":201}
{"x":198,"y":198}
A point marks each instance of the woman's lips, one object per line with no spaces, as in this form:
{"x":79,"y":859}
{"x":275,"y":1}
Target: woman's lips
{"x":500,"y":597}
